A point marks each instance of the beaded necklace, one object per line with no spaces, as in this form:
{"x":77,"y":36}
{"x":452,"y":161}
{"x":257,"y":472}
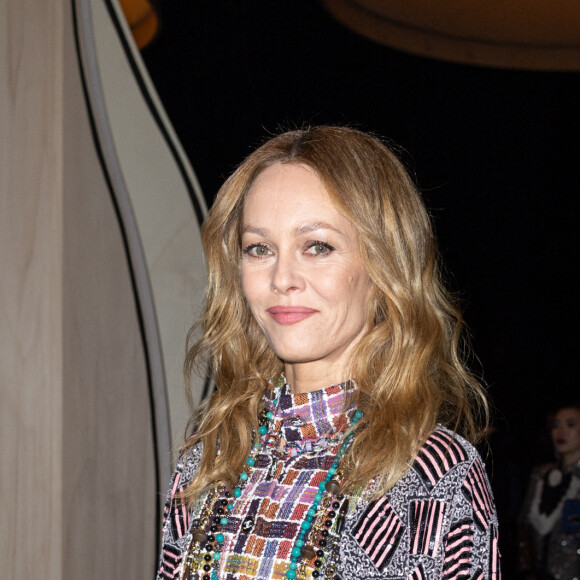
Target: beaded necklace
{"x":319,"y":532}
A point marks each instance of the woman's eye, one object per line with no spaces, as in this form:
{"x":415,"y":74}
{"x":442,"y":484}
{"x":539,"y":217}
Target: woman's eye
{"x":258,"y":250}
{"x":319,"y":248}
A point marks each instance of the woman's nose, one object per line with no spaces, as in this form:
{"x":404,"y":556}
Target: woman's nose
{"x":286,"y":275}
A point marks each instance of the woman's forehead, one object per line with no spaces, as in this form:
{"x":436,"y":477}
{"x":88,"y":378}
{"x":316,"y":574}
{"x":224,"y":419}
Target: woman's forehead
{"x":288,"y":188}
{"x":568,"y":413}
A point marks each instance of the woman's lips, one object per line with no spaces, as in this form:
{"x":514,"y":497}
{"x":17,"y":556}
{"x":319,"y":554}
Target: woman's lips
{"x":290,"y":314}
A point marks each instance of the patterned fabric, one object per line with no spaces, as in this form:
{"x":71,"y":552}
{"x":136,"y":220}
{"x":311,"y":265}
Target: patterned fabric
{"x":378,"y":532}
{"x":476,"y":490}
{"x":426,"y":523}
{"x":438,"y":455}
{"x":417,"y":574}
{"x":307,"y":417}
{"x":437,"y":522}
{"x":458,"y":549}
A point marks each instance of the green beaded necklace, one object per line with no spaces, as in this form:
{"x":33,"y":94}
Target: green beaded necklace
{"x":221,"y":503}
{"x":330,"y":485}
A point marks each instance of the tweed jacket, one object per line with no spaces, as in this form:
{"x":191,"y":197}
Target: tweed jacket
{"x":437,"y":523}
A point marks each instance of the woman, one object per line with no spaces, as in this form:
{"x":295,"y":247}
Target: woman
{"x":550,"y":545}
{"x":335,"y":351}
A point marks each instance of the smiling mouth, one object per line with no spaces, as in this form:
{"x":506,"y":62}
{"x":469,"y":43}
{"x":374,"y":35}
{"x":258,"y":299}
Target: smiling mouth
{"x":290,"y":314}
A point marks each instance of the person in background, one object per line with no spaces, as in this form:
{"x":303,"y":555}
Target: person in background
{"x":335,"y":445}
{"x":550,"y":520}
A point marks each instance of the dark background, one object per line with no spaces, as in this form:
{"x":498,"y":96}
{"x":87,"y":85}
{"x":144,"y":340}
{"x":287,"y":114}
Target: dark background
{"x":495,"y":153}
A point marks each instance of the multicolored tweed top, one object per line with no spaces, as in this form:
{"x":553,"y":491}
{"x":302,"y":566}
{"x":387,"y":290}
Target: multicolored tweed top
{"x":437,"y":522}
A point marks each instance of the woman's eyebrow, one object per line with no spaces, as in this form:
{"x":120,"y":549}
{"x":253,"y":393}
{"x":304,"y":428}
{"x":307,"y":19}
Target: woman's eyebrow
{"x":308,"y":228}
{"x":254,"y":230}
{"x":297,"y":231}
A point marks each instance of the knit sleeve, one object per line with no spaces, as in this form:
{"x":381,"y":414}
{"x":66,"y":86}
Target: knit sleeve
{"x":471,"y":549}
{"x":176,"y":516}
{"x":170,"y":556}
{"x":438,"y":522}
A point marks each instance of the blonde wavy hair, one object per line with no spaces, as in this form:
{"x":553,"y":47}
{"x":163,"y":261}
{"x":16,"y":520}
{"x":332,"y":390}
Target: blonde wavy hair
{"x":408,"y":368}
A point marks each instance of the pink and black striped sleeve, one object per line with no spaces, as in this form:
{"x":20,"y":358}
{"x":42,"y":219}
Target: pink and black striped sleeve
{"x":170,"y":558}
{"x":471,"y":549}
{"x":176,"y":517}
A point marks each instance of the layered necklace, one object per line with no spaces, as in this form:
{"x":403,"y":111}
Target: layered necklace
{"x":314,"y":548}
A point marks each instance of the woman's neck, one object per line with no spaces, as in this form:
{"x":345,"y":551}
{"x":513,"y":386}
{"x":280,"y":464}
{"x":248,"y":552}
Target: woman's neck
{"x":305,"y":378}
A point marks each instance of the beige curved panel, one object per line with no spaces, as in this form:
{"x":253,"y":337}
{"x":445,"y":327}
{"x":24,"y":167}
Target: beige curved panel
{"x":79,"y":492}
{"x":160,"y":203}
{"x":93,"y":306}
{"x":31,"y":333}
{"x":110,"y":484}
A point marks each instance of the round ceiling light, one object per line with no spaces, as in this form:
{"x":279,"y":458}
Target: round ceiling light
{"x":531,"y":34}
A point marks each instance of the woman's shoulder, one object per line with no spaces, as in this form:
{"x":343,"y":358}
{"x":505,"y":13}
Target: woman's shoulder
{"x":441,"y":509}
{"x":445,"y":455}
{"x":188,"y":463}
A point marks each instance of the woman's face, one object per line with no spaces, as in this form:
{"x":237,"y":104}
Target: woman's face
{"x":301,"y":272}
{"x":566,"y":433}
